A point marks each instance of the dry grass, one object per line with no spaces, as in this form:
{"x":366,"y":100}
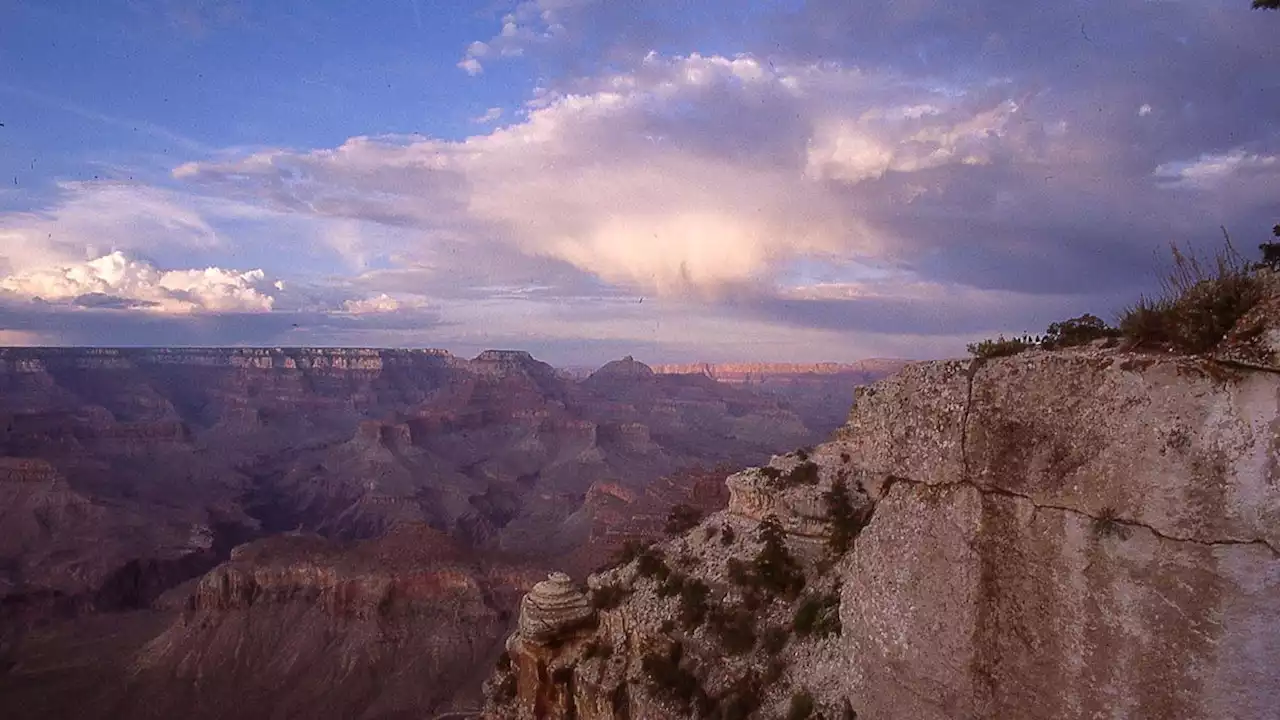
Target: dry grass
{"x":1200,"y":300}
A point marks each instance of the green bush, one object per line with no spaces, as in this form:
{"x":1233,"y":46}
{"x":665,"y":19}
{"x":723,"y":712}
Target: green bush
{"x":775,"y":571}
{"x":846,"y":522}
{"x":818,"y":615}
{"x":802,"y":706}
{"x":693,"y":603}
{"x":1200,"y":301}
{"x":682,"y":519}
{"x":650,"y":564}
{"x":806,"y":473}
{"x":1001,"y":347}
{"x":669,"y":678}
{"x":1077,"y":331}
{"x":735,"y":627}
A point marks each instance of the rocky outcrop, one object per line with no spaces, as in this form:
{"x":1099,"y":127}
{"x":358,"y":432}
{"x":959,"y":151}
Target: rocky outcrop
{"x":553,"y":610}
{"x":1081,"y":533}
{"x":759,"y":493}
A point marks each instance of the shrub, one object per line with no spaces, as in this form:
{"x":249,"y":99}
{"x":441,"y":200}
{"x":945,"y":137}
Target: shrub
{"x":774,"y":640}
{"x":727,"y":536}
{"x":802,"y":706}
{"x":1106,"y":524}
{"x":806,"y":473}
{"x":775,"y":570}
{"x":846,"y":522}
{"x":1200,"y":301}
{"x":504,"y":662}
{"x":771,"y":472}
{"x":649,"y":564}
{"x":668,"y":678}
{"x":845,"y":457}
{"x":736,"y":629}
{"x":818,"y":615}
{"x":1270,"y":252}
{"x":682,"y":519}
{"x":1001,"y":347}
{"x":672,"y":585}
{"x":711,"y":532}
{"x":1077,"y":331}
{"x":742,"y":699}
{"x":693,"y":603}
{"x":803,"y":453}
{"x":607,"y":597}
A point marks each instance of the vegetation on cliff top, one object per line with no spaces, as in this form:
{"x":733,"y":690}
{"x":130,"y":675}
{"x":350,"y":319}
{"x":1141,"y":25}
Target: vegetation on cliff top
{"x":1200,"y":300}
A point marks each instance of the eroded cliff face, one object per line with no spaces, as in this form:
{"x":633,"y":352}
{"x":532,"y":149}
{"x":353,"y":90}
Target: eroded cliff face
{"x":1086,"y":533}
{"x":301,"y":627}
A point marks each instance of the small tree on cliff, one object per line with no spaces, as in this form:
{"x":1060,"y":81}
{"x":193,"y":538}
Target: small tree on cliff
{"x":775,"y":569}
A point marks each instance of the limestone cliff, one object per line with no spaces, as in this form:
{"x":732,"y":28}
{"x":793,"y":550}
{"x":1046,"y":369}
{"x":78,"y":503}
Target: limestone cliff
{"x":1076,"y":534}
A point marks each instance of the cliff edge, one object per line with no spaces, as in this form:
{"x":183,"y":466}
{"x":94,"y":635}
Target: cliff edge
{"x":1082,"y":533}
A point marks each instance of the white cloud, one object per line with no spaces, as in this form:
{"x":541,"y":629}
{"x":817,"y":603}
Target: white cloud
{"x":1211,"y":170}
{"x":471,"y":66}
{"x":688,"y":175}
{"x":115,"y":280}
{"x":1145,"y":110}
{"x":382,"y":303}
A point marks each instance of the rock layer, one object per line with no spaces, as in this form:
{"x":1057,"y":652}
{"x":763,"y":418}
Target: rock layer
{"x":553,"y":609}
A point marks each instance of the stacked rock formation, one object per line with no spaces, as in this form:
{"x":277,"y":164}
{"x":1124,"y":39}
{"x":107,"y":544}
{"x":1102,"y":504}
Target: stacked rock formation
{"x":552,"y":609}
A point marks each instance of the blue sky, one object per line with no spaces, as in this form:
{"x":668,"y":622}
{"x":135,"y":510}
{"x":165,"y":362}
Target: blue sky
{"x":791,"y":180}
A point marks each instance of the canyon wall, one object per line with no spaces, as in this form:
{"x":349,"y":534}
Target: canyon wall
{"x":1073,"y":534}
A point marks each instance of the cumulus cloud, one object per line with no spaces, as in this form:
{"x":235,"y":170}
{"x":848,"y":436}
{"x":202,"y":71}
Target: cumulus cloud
{"x":115,"y":281}
{"x":382,"y":303}
{"x":751,"y":173}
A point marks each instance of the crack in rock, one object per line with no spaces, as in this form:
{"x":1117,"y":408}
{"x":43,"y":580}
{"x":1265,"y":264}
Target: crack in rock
{"x":1002,"y":492}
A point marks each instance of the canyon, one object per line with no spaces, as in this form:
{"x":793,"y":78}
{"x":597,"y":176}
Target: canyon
{"x":187,"y":524}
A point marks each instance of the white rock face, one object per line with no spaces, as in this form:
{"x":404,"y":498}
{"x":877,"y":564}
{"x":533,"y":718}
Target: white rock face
{"x":1077,"y":534}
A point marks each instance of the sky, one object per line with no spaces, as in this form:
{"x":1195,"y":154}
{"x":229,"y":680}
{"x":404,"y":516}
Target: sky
{"x":787,"y":180}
